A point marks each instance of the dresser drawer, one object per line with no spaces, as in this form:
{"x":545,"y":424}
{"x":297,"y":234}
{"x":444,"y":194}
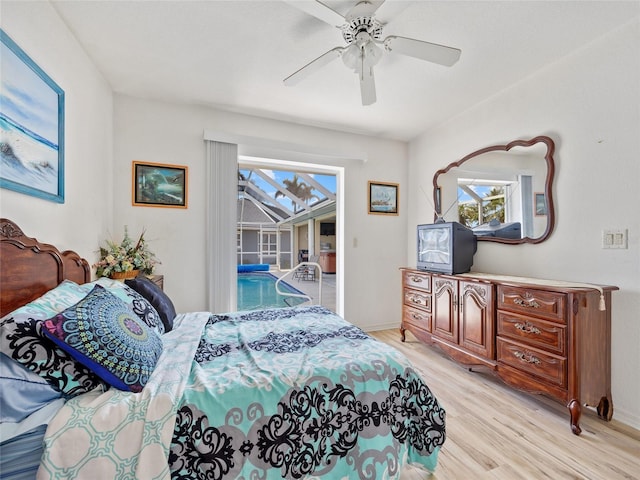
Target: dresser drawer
{"x":417,"y":280}
{"x":417,"y":317}
{"x":531,"y":331}
{"x":542,"y":304}
{"x":533,"y":361}
{"x":417,"y":298}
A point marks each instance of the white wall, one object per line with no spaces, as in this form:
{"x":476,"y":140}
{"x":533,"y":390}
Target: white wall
{"x":169,"y":133}
{"x":589,"y":103}
{"x":85,"y":217}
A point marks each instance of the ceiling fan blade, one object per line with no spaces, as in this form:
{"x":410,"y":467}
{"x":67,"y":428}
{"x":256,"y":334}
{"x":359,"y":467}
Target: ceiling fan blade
{"x":388,"y":10}
{"x":313,"y":66}
{"x":431,"y":52}
{"x":319,"y":10}
{"x":363,"y":8}
{"x":367,"y":86}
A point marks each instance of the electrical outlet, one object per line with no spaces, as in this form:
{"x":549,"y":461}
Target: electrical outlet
{"x":614,"y":238}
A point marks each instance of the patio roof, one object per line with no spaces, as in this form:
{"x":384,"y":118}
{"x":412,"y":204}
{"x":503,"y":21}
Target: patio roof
{"x":280,"y":196}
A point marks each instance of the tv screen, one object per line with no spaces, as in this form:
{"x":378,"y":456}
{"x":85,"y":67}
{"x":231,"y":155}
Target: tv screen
{"x":327,"y":229}
{"x":446,"y":247}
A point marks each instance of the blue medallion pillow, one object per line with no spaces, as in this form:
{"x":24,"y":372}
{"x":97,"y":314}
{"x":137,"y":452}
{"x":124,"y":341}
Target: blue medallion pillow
{"x":102,"y":333}
{"x":136,"y":302}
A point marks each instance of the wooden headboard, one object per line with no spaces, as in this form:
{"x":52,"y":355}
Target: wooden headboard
{"x":29,"y":268}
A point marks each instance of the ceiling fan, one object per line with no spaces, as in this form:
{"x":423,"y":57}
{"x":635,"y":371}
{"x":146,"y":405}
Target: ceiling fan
{"x":363,"y":35}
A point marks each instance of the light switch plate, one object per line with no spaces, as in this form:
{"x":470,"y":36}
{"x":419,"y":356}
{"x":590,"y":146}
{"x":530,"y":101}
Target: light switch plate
{"x":616,"y":238}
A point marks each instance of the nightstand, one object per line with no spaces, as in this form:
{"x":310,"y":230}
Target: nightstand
{"x":158,"y":280}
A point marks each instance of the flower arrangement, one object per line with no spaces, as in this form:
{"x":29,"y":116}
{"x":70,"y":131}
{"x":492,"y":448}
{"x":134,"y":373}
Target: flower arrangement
{"x":126,"y":257}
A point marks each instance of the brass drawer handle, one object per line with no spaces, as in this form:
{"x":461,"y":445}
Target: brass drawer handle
{"x":528,"y":302}
{"x":527,"y":328}
{"x":415,"y":316}
{"x":528,"y":358}
{"x":416,"y":299}
{"x":416,"y":279}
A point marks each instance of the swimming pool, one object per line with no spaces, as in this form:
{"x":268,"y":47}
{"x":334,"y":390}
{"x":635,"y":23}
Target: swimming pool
{"x":257,"y":290}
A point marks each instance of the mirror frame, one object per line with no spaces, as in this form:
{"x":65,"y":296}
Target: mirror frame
{"x":505,"y":148}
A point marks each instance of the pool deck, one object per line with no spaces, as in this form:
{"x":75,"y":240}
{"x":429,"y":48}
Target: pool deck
{"x":310,"y":288}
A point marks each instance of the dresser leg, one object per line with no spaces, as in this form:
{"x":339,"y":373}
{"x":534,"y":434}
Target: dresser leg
{"x":575,"y":410}
{"x":402,"y":337}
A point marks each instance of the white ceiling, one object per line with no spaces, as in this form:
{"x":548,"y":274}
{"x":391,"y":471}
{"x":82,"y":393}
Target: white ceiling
{"x":234,"y":55}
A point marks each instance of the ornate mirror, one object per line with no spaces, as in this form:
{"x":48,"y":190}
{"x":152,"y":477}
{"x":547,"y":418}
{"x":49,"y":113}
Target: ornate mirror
{"x":502,"y":192}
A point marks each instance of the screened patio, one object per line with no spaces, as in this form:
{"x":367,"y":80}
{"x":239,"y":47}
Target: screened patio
{"x":273,"y":207}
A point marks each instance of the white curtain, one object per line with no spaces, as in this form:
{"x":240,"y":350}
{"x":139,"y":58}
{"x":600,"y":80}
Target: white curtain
{"x":222,"y":195}
{"x":527,"y":205}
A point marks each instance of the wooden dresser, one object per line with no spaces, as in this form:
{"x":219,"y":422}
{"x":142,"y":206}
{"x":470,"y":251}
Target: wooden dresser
{"x":543,"y":337}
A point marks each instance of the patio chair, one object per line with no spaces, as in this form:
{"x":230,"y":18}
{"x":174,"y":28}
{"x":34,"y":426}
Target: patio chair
{"x":307,"y":272}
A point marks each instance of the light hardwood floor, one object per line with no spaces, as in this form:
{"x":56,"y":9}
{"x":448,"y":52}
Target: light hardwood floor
{"x":496,"y":432}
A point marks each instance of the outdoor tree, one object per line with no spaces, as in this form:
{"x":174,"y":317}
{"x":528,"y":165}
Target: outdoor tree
{"x":298,"y":188}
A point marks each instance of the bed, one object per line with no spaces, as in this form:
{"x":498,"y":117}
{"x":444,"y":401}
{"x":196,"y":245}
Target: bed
{"x":277,"y":393}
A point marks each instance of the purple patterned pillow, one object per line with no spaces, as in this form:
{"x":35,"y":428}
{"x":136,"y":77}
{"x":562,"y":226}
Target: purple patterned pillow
{"x":136,"y":302}
{"x":102,"y":333}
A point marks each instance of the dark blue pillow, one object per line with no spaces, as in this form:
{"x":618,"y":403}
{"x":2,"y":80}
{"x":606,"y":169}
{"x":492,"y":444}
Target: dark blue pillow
{"x":103,"y":334}
{"x":156,"y":297}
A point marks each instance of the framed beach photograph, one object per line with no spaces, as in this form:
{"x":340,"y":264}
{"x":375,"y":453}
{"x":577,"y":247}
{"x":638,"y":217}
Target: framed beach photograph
{"x":383,"y":198}
{"x":31,"y":126}
{"x":540,"y":204}
{"x":159,"y":185}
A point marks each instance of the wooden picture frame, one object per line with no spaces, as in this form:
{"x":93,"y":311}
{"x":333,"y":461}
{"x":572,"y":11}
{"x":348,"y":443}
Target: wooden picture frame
{"x":383,"y":198}
{"x":32,"y":126}
{"x":159,"y":185}
{"x":539,"y":204}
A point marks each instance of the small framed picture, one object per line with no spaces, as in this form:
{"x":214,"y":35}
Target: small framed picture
{"x":540,"y":204}
{"x":159,"y":185}
{"x":383,"y":198}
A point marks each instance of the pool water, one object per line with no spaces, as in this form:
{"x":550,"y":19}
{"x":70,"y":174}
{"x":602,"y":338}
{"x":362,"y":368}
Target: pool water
{"x":257,"y":290}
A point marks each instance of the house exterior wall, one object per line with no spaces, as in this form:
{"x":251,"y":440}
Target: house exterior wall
{"x":590,"y":105}
{"x":250,"y":253}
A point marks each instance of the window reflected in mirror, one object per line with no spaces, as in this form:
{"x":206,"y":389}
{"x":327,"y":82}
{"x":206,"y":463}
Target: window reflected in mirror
{"x":497,"y":191}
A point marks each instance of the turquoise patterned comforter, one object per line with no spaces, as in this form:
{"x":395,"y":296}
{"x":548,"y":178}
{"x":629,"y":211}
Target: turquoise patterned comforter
{"x":281,"y":393}
{"x":301,"y":393}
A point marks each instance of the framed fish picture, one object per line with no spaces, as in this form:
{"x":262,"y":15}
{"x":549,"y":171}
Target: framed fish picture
{"x":159,"y":185}
{"x":31,"y":126}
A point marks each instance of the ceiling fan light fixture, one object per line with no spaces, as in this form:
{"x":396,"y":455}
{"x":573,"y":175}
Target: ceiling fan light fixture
{"x":372,"y":54}
{"x":367,"y":55}
{"x":351,"y":56}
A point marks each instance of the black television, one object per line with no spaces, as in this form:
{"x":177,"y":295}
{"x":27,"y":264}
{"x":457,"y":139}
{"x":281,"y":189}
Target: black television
{"x":445,"y":247}
{"x":327,"y":228}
